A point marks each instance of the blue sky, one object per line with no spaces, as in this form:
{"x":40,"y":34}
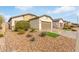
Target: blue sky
{"x":66,"y":12}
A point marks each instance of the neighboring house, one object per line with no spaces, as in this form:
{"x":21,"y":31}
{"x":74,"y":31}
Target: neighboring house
{"x":58,"y":23}
{"x":42,"y":23}
{"x":14,"y":19}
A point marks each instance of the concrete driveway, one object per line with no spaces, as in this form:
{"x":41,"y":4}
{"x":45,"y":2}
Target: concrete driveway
{"x":73,"y":35}
{"x":70,"y":34}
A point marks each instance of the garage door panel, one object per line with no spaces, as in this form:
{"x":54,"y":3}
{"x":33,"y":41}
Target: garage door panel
{"x":46,"y":26}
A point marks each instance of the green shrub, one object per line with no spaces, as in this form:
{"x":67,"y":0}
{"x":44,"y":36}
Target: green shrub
{"x":1,"y":35}
{"x":42,"y":34}
{"x":20,"y":31}
{"x":52,"y":34}
{"x":24,"y":25}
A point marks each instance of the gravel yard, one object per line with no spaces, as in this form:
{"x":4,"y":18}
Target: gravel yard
{"x":2,"y":44}
{"x":20,"y":43}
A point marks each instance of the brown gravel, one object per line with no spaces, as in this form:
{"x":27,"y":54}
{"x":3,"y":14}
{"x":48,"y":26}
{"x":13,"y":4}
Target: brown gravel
{"x":21,"y":43}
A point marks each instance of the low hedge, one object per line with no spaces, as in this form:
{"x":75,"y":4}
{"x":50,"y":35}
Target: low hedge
{"x":52,"y":34}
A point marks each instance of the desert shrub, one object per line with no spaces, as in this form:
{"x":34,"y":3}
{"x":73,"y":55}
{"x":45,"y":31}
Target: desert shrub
{"x":32,"y":39}
{"x":24,"y":25}
{"x":1,"y":35}
{"x":32,"y":29}
{"x":72,"y":26}
{"x":20,"y":31}
{"x":42,"y":34}
{"x":28,"y":35}
{"x":73,"y":29}
{"x":67,"y":26}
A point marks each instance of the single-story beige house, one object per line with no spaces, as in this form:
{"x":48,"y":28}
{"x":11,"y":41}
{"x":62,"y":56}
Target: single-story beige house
{"x":42,"y":23}
{"x":58,"y":23}
{"x":25,"y":17}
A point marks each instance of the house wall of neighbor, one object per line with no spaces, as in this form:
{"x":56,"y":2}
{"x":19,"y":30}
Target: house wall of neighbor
{"x":27,"y":17}
{"x":61,"y":24}
{"x":58,"y":25}
{"x":34,"y":24}
{"x":55,"y":24}
{"x":44,"y":18}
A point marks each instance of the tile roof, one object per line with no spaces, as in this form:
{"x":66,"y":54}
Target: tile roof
{"x":40,"y":17}
{"x":21,"y":15}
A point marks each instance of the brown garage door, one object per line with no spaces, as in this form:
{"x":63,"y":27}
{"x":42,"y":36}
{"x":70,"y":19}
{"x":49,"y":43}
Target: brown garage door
{"x":46,"y":26}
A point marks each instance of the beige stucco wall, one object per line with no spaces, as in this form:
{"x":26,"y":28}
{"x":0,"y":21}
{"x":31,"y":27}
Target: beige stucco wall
{"x":37,"y":24}
{"x":61,"y":22}
{"x":14,"y":20}
{"x":34,"y":24}
{"x":57,"y":24}
{"x":45,"y":26}
{"x":44,"y":18}
{"x":48,"y":20}
{"x":28,"y":17}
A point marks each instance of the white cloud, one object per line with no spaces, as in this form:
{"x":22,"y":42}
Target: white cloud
{"x":62,"y":10}
{"x":23,"y":8}
{"x":1,"y":13}
{"x":7,"y":17}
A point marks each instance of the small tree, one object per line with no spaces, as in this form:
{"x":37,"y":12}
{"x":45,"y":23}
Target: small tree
{"x":22,"y":25}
